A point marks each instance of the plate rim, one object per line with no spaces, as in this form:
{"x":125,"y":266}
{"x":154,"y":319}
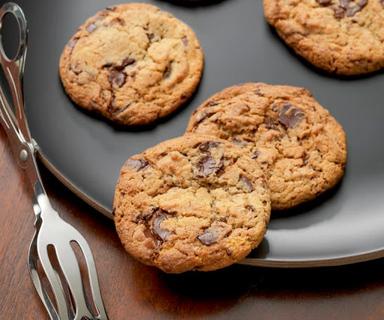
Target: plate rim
{"x":256,"y":262}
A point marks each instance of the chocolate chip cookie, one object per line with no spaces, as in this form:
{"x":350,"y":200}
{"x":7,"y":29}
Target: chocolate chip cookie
{"x":191,"y":203}
{"x":298,"y":144}
{"x":344,"y":37}
{"x":132,"y":63}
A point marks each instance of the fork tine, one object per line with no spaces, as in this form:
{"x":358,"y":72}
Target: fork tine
{"x":32,"y":267}
{"x":55,"y":283}
{"x":93,"y":278}
{"x":71,"y":270}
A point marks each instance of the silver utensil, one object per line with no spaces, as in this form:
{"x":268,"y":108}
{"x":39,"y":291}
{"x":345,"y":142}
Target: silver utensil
{"x":53,"y":263}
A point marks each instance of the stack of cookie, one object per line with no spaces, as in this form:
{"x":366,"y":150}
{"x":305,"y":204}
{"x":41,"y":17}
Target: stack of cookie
{"x":201,"y":201}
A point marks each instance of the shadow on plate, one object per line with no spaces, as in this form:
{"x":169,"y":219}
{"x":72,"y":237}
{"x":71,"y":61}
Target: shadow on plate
{"x":309,"y":213}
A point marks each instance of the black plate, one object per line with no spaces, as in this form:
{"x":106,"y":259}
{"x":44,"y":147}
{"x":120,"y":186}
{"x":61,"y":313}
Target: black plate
{"x":86,"y":153}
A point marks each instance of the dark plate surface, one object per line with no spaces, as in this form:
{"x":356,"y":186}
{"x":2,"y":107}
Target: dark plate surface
{"x":344,"y":226}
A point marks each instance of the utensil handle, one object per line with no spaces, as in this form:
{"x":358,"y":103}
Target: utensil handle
{"x":15,"y":124}
{"x":14,"y":67}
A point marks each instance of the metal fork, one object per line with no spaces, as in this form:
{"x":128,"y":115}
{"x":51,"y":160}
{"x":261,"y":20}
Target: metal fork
{"x":63,"y":295}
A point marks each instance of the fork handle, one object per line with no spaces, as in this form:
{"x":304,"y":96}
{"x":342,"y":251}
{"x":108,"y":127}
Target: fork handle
{"x":16,"y":125}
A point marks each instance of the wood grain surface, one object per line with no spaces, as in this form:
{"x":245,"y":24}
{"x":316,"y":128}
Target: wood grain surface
{"x":134,"y":291}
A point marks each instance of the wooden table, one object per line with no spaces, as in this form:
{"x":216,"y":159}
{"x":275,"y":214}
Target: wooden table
{"x":134,"y":291}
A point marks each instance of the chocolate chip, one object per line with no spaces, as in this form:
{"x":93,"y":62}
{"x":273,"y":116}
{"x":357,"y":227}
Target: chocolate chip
{"x":167,"y":71}
{"x":208,"y":238}
{"x":324,"y":2}
{"x":352,"y":10}
{"x":256,"y":154}
{"x":117,"y":78}
{"x":338,"y":12}
{"x":206,"y":146}
{"x":246,"y":183}
{"x":270,"y":123}
{"x":382,"y":2}
{"x":159,"y":217}
{"x":144,"y":216}
{"x":72,"y":43}
{"x":107,"y":65}
{"x":150,"y":36}
{"x":185,"y":41}
{"x":207,"y":166}
{"x":137,"y":164}
{"x":345,"y":7}
{"x":290,"y":116}
{"x":127,"y":62}
{"x":91,"y":27}
{"x":214,"y":233}
{"x":344,"y":3}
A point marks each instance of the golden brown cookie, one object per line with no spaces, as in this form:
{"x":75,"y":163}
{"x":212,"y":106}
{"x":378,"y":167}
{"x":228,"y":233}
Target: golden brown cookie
{"x":345,"y":37}
{"x":299,"y":145}
{"x":132,"y":63}
{"x":191,"y":203}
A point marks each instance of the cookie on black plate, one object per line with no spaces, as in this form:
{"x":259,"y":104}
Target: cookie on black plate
{"x":345,"y":37}
{"x":191,"y":203}
{"x":132,"y":63}
{"x":299,"y":145}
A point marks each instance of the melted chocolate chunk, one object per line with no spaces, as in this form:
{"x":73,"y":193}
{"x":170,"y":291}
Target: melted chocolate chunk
{"x":209,"y":237}
{"x":345,"y":7}
{"x":137,"y":164}
{"x":91,"y":27}
{"x":117,"y":78}
{"x":126,"y":62}
{"x":214,"y":233}
{"x":290,"y":116}
{"x":207,"y":166}
{"x":145,"y":216}
{"x":157,"y":230}
{"x":338,"y":12}
{"x":206,"y":146}
{"x":352,"y":10}
{"x":246,"y":183}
